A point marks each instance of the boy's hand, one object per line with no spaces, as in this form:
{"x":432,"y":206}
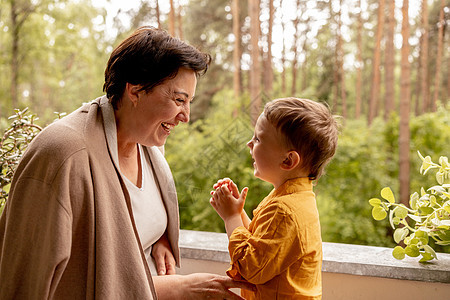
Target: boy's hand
{"x":226,"y":199}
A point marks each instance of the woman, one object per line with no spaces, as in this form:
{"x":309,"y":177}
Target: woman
{"x":93,"y":203}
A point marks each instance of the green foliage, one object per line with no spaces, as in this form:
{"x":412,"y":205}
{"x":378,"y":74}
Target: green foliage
{"x":362,"y":164}
{"x":203,"y":151}
{"x":365,"y":162}
{"x":62,"y":55}
{"x":12,"y":145}
{"x":428,"y":214}
{"x":206,"y":150}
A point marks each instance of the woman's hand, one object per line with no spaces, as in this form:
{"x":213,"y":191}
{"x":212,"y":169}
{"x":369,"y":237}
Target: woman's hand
{"x":198,"y":286}
{"x":210,"y":286}
{"x":162,"y":253}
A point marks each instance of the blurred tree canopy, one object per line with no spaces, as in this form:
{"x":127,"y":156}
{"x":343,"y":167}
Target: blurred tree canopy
{"x":206,"y":150}
{"x":53,"y":54}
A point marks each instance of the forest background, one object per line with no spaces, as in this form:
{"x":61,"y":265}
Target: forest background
{"x":381,"y":65}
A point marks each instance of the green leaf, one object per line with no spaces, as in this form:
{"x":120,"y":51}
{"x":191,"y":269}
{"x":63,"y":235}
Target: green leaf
{"x":427,"y":233}
{"x":426,"y":257}
{"x":395,"y":221}
{"x":443,"y":160}
{"x":420,"y":233}
{"x":412,"y":251}
{"x":426,"y":210}
{"x":420,"y":155}
{"x":413,"y":241}
{"x":391,"y":219}
{"x":422,"y":192}
{"x":443,"y":243}
{"x":378,"y":213}
{"x":424,"y":240}
{"x":407,"y":240}
{"x":387,"y":194}
{"x":415,"y":218}
{"x":398,"y":253}
{"x":437,"y":188}
{"x":427,"y":164}
{"x":444,"y":223}
{"x":433,"y":201}
{"x":444,"y":227}
{"x":440,"y":177}
{"x":436,"y":222}
{"x":430,"y":250}
{"x":400,"y":234}
{"x":400,"y":212}
{"x":413,"y":200}
{"x":375,"y":202}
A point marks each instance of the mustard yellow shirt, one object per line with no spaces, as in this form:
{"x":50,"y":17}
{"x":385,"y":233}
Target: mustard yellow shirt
{"x":281,"y":251}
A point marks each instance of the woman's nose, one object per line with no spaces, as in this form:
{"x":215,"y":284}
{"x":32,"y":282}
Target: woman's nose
{"x":183,"y":115}
{"x":250,"y":144}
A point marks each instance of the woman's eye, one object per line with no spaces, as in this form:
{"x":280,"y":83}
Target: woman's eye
{"x":180,"y":100}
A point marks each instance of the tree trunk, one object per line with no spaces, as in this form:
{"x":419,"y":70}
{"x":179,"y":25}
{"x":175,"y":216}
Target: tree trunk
{"x":390,"y":62}
{"x":375,"y":89}
{"x":295,"y":50}
{"x":172,"y":19}
{"x":283,"y":54}
{"x":340,"y":58}
{"x":237,"y":49}
{"x":335,"y":87}
{"x":359,"y":64}
{"x":158,"y":17}
{"x":179,"y":21}
{"x":268,"y":70}
{"x":424,"y":59}
{"x":255,"y":75}
{"x":304,"y":75}
{"x":405,"y":95}
{"x":14,"y":55}
{"x":439,"y":58}
{"x":418,"y":108}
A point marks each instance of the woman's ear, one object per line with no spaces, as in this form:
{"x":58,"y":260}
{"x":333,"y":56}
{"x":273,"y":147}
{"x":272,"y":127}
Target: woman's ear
{"x":291,"y":161}
{"x":132,"y":92}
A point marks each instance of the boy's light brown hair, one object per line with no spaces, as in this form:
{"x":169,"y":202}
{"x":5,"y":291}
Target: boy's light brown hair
{"x":307,"y":127}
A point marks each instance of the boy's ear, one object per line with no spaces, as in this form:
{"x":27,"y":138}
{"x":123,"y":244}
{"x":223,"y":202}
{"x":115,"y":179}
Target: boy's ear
{"x":291,"y":161}
{"x":132,"y":92}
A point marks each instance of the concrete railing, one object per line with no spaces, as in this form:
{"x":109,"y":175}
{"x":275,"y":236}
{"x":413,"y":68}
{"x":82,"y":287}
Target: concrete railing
{"x":348,"y":272}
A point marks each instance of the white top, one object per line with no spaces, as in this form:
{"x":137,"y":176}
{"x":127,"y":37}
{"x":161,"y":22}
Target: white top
{"x":149,"y":211}
{"x":148,"y":208}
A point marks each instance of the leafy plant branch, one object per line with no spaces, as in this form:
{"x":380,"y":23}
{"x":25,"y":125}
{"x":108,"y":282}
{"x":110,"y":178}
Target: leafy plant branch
{"x":12,"y":145}
{"x":427,"y":217}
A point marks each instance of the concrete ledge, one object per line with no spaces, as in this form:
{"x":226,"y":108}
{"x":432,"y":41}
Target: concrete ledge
{"x":337,"y":258}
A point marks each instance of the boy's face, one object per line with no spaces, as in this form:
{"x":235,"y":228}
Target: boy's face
{"x":267,"y":151}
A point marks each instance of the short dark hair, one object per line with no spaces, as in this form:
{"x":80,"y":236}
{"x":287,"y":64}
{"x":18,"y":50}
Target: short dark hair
{"x":148,"y":57}
{"x":307,"y":127}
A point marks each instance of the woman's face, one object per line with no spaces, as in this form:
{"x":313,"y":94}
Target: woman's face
{"x":160,"y":110}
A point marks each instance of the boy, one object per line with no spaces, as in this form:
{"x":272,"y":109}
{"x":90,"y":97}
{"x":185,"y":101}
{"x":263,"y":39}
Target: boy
{"x":280,"y":250}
